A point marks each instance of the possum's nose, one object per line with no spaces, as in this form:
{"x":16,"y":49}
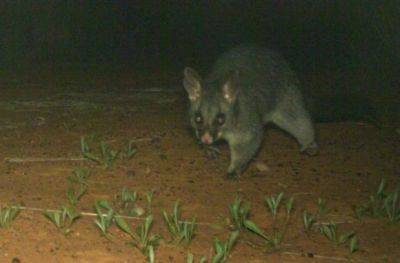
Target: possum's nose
{"x":207,"y":138}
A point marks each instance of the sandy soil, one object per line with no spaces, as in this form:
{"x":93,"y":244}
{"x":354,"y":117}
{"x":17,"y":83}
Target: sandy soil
{"x":45,"y":117}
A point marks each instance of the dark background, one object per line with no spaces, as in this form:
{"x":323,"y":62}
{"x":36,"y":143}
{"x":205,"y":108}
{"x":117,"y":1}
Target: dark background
{"x":351,"y":37}
{"x":312,"y":33}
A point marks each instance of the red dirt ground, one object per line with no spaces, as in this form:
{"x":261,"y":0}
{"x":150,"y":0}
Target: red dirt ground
{"x":45,"y":117}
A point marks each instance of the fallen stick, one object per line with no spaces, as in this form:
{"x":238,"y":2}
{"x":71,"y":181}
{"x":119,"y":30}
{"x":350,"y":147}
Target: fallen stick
{"x":154,"y":90}
{"x":43,"y":160}
{"x":333,"y":222}
{"x":143,"y":139}
{"x":315,"y":256}
{"x":90,"y":214}
{"x":82,"y":213}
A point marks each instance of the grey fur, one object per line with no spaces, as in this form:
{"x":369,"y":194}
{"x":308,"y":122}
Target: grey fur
{"x":250,"y":86}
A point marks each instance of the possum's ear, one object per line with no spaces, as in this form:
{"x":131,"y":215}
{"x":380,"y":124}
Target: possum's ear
{"x":230,"y":87}
{"x":192,"y":83}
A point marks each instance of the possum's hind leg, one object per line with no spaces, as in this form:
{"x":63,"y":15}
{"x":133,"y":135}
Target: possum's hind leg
{"x":293,"y":118}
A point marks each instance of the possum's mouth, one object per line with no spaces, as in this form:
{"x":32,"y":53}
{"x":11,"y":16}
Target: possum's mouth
{"x":207,"y":138}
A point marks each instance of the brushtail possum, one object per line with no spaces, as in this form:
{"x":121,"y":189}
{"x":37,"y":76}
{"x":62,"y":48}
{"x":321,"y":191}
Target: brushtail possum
{"x":247,"y":88}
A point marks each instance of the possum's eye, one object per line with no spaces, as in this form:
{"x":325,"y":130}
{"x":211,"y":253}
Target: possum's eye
{"x":198,"y":118}
{"x":221,"y":119}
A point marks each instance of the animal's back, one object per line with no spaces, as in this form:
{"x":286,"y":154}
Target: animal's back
{"x":264,"y":76}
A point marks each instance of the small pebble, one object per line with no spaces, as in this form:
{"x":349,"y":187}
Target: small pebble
{"x":262,"y":167}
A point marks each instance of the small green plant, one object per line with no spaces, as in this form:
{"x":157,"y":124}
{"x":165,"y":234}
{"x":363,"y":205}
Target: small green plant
{"x":289,"y":207}
{"x":322,"y":208}
{"x":353,"y":245}
{"x":149,"y":198}
{"x":330,"y":231}
{"x":128,"y":196}
{"x":141,"y":239}
{"x":107,"y":156}
{"x":105,"y":216}
{"x":239,"y":213}
{"x":250,"y":225}
{"x":63,"y":219}
{"x":392,"y":206}
{"x":278,"y":228}
{"x":127,"y":202}
{"x":273,"y":203}
{"x":7,"y":215}
{"x":146,"y":242}
{"x":77,"y":185}
{"x":223,"y":249}
{"x":79,"y":175}
{"x":273,"y":241}
{"x":308,"y":220}
{"x":74,"y":195}
{"x":180,"y":230}
{"x":381,"y":204}
{"x":129,"y":152}
{"x":190,"y":258}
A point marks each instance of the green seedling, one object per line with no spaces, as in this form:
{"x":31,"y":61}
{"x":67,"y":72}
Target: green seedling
{"x":149,"y":198}
{"x":7,"y":215}
{"x":127,"y":202}
{"x":180,"y":230}
{"x":353,"y":245}
{"x":374,"y":207}
{"x":273,"y":203}
{"x":308,"y":221}
{"x":239,"y":213}
{"x":107,"y":156}
{"x":74,"y":195}
{"x":151,"y":255}
{"x":63,"y":219}
{"x":130,"y":151}
{"x":276,"y":239}
{"x":79,"y":175}
{"x":190,"y":258}
{"x":273,"y":241}
{"x":141,"y":239}
{"x":128,"y":197}
{"x":381,"y":204}
{"x":253,"y":227}
{"x":105,"y":216}
{"x":322,"y":209}
{"x":392,"y":206}
{"x":330,"y":231}
{"x":279,"y":230}
{"x":289,"y":207}
{"x":223,"y":249}
{"x":86,"y":152}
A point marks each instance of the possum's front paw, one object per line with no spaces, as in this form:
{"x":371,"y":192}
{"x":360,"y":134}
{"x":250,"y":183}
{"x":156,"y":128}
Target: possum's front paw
{"x":212,"y":152}
{"x":232,"y":175}
{"x":311,"y":149}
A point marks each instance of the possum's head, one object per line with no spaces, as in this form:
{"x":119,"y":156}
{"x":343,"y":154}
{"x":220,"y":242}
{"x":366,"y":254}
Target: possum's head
{"x":213,"y":104}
